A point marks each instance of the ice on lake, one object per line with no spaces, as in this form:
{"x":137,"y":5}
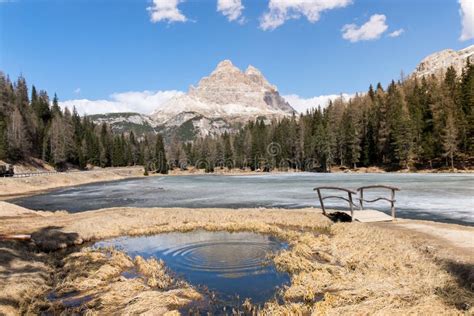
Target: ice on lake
{"x":442,"y":197}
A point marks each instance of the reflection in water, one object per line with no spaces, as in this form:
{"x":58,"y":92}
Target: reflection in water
{"x":231,"y":264}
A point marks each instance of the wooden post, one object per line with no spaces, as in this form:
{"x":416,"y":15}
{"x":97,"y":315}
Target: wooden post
{"x":321,"y":202}
{"x":361,"y":199}
{"x":350,"y":205}
{"x":393,"y":204}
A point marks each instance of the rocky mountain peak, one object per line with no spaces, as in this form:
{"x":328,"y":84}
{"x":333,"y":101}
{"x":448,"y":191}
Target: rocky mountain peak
{"x":252,"y":71}
{"x":225,"y":66}
{"x":256,"y":76}
{"x":227,"y":96}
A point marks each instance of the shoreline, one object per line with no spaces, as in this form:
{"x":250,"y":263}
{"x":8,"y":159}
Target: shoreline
{"x":28,"y":186}
{"x":349,"y":258}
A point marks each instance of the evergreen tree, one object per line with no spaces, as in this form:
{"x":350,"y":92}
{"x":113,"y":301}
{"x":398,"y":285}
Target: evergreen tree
{"x":3,"y":137}
{"x":450,"y":139}
{"x":160,"y":156}
{"x":228,"y":153}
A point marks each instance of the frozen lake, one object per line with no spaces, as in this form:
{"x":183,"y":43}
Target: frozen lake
{"x":441,"y":197}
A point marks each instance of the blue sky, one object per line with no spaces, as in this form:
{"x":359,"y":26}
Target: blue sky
{"x":85,"y":49}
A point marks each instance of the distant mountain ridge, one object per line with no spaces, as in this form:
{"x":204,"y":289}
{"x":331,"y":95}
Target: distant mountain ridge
{"x":126,"y":122}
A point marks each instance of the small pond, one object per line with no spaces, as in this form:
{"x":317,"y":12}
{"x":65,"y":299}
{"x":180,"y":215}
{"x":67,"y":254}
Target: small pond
{"x":234,"y":266}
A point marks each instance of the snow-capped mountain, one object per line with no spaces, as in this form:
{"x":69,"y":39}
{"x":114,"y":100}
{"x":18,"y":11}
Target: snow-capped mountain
{"x":221,"y":101}
{"x":437,"y":63}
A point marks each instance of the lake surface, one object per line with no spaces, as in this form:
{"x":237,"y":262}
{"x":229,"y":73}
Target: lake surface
{"x":441,"y":197}
{"x":234,"y":266}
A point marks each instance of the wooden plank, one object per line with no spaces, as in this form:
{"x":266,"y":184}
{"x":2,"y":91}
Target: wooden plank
{"x":369,"y":216}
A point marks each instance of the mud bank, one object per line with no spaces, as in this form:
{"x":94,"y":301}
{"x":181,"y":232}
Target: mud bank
{"x":335,"y":268}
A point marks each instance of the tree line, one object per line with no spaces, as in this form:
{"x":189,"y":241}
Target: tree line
{"x":32,"y":126}
{"x":421,"y":123}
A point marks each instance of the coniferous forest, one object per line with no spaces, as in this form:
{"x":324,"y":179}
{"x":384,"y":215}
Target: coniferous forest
{"x":412,"y":123}
{"x":32,"y":126}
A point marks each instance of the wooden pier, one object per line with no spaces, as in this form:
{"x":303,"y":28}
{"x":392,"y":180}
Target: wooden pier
{"x":369,"y":216}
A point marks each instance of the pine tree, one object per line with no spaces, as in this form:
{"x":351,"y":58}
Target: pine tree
{"x":58,"y":142}
{"x":351,"y":138}
{"x":55,"y":109}
{"x":228,"y":153}
{"x":3,"y":137}
{"x":467,"y":106}
{"x":160,"y":156}
{"x":400,"y":127}
{"x":450,"y":139}
{"x":383,"y":128}
{"x":105,"y":147}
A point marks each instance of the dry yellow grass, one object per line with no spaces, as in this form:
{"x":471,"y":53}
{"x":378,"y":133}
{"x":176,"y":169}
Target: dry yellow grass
{"x":336,"y":269}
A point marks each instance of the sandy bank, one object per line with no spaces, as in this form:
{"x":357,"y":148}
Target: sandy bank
{"x":336,"y":269}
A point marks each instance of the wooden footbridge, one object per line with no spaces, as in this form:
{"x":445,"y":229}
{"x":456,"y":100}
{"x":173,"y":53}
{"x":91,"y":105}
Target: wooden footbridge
{"x":361,"y":214}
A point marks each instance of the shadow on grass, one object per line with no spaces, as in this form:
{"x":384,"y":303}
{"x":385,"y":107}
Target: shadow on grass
{"x":52,"y":238}
{"x":339,"y":217}
{"x":24,"y":265}
{"x":460,"y":294}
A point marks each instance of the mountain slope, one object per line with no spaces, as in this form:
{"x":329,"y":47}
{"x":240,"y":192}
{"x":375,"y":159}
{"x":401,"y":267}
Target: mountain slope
{"x":125,"y":122}
{"x":437,"y":63}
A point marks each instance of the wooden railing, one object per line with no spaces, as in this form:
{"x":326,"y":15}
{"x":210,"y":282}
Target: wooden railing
{"x":348,"y":199}
{"x":391,"y":200}
{"x":361,"y":199}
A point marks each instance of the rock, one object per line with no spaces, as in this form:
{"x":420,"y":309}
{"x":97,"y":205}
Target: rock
{"x":439,"y":62}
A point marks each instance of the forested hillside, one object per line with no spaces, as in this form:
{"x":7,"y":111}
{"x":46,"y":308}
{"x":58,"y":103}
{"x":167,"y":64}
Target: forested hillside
{"x":32,"y":126}
{"x":419,"y":123}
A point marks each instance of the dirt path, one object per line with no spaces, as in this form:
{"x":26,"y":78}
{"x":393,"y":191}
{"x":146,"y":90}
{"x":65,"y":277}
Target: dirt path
{"x":447,"y":240}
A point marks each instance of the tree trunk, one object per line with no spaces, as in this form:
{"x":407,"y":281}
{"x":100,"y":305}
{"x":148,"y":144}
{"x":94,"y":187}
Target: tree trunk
{"x":452,"y":161}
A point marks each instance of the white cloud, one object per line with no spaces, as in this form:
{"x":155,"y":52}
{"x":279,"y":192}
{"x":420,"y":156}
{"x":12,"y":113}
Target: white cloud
{"x":370,"y":30}
{"x":396,"y":33}
{"x":142,"y":102}
{"x":280,"y":11}
{"x":467,"y":19}
{"x":302,"y":104}
{"x":232,"y":9}
{"x":166,"y":10}
{"x":77,"y":91}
